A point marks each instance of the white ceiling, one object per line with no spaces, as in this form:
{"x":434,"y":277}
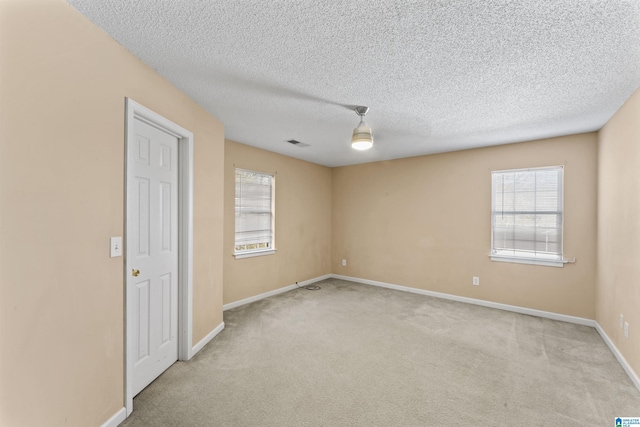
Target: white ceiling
{"x":437,"y":75}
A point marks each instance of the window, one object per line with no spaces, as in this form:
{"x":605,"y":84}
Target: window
{"x":254,"y":214}
{"x":526,"y":217}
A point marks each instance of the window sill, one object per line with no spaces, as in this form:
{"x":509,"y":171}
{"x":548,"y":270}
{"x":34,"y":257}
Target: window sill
{"x":532,"y":261}
{"x":254,"y":253}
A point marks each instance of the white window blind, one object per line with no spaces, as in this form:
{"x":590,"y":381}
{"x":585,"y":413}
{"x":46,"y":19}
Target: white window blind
{"x":254,"y":211}
{"x":527,"y":213}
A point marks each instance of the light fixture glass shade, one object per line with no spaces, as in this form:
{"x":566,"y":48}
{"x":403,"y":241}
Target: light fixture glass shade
{"x":362,"y":138}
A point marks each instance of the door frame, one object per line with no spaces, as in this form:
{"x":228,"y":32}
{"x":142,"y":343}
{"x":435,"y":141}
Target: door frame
{"x":133,"y":111}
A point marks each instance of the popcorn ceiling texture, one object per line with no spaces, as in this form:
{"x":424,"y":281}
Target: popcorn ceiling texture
{"x":437,"y":75}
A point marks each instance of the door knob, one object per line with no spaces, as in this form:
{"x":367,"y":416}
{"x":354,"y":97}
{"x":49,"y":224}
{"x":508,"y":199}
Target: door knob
{"x":135,"y":273}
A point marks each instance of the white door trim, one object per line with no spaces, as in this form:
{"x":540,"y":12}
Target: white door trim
{"x":133,"y":111}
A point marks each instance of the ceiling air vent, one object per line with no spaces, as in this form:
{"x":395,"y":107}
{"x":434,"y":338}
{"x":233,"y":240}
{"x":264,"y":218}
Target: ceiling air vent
{"x":297,"y":143}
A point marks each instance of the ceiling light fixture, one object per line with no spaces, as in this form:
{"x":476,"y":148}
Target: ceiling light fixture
{"x":362,"y":138}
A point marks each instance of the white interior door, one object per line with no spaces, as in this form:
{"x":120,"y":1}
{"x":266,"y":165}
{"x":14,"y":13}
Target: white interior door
{"x":152,"y":253}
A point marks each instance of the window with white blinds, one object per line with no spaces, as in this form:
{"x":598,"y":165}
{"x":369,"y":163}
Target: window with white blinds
{"x":527,"y":214}
{"x":254,"y":213}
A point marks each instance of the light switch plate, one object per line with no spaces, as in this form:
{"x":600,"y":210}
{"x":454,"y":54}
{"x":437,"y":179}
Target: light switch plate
{"x":116,"y":247}
{"x":626,"y":329}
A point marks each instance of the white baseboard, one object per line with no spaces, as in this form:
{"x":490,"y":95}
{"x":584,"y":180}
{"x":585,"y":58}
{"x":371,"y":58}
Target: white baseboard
{"x":274,"y":292}
{"x":625,"y":365}
{"x":204,"y":341}
{"x":116,"y":419}
{"x":490,"y":304}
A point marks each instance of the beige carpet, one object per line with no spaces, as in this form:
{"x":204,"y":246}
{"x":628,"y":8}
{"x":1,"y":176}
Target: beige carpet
{"x":356,"y":355}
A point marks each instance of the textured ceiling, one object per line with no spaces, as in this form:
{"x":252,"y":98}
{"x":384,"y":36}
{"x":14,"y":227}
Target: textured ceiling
{"x":437,"y":75}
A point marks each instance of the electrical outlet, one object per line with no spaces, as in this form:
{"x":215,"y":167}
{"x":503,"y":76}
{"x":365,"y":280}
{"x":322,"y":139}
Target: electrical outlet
{"x":626,"y":329}
{"x":476,"y":281}
{"x":621,"y":321}
{"x":344,"y":262}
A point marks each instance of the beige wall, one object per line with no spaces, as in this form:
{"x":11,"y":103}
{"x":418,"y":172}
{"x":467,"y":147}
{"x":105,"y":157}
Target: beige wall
{"x":303,"y":224}
{"x":425,"y":222}
{"x":618,"y":285}
{"x":63,"y":83}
